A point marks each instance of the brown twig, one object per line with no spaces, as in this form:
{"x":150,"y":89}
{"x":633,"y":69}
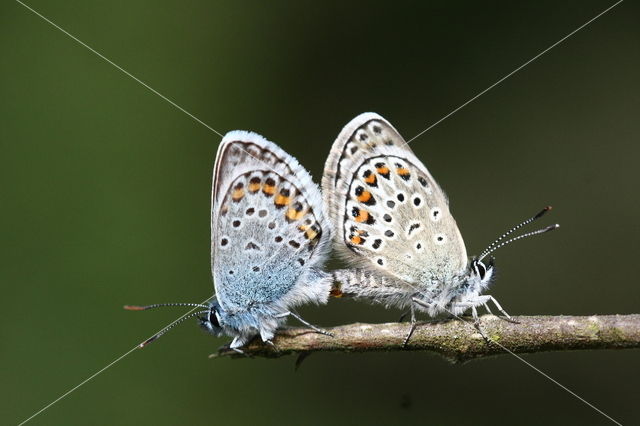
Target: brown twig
{"x":459,"y":341}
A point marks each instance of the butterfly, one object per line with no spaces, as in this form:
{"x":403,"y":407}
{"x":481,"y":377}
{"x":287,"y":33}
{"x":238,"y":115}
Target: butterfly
{"x":269,"y":240}
{"x":392,"y":221}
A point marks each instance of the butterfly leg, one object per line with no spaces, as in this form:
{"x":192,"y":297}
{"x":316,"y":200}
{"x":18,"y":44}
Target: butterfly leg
{"x":412,"y":327}
{"x":266,"y":337}
{"x":236,"y":344}
{"x":476,"y":324}
{"x":474,"y":315}
{"x":418,"y":302}
{"x":486,"y":306}
{"x":482,"y":300}
{"x":502,"y":311}
{"x":308,"y":324}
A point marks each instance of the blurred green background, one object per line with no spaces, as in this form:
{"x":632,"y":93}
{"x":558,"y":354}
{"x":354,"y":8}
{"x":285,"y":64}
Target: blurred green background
{"x":105,"y":192}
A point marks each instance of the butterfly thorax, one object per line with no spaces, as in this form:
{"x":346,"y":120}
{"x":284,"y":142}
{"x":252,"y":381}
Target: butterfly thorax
{"x":460,"y":293}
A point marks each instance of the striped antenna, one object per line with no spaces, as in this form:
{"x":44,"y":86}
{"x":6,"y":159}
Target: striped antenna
{"x":492,"y":247}
{"x":169,"y":327}
{"x":519,"y":237}
{"x":161,"y":305}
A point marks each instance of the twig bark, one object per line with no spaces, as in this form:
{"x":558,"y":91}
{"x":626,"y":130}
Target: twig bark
{"x":459,"y":341}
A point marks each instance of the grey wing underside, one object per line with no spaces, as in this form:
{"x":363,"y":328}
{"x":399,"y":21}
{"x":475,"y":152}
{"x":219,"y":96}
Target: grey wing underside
{"x":269,"y":235}
{"x":388,"y":212}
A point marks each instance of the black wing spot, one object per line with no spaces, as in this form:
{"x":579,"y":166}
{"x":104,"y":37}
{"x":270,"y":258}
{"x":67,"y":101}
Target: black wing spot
{"x":250,"y":211}
{"x":422,"y":181}
{"x":301,"y":261}
{"x":278,"y":239}
{"x":224,"y":242}
{"x":294,"y":244}
{"x":252,"y":246}
{"x":263,"y":213}
{"x":413,"y":227}
{"x":400,"y":197}
{"x":376,"y":244}
{"x":389,"y":233}
{"x":236,"y":223}
{"x":417,"y":201}
{"x":387,"y":217}
{"x":391,"y":204}
{"x":256,"y":268}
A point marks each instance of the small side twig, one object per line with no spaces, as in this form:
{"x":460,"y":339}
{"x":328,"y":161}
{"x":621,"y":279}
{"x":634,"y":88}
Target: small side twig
{"x":459,"y":341}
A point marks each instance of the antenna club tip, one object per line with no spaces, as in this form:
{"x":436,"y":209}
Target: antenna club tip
{"x":551,"y":227}
{"x":146,"y":342}
{"x":542,"y":212}
{"x":134,"y":308}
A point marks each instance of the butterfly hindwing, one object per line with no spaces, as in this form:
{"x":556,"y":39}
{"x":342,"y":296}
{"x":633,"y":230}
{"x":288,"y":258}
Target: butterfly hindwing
{"x":268,"y":227}
{"x":387,"y":209}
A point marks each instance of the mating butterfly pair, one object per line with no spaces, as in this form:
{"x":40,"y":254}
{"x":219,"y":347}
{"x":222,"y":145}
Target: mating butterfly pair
{"x":271,"y":231}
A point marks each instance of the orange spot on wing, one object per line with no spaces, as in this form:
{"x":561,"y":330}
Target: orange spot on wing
{"x":282,"y":200}
{"x":269,"y":189}
{"x":237,"y":194}
{"x":383,"y":170}
{"x":364,"y":197}
{"x":362,"y":216}
{"x":293,"y":214}
{"x":402,"y":171}
{"x":371,"y":179}
{"x":356,"y":239}
{"x":310,"y":234}
{"x":254,"y":184}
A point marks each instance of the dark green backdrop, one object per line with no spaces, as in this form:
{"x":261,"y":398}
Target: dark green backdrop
{"x":105,"y":198}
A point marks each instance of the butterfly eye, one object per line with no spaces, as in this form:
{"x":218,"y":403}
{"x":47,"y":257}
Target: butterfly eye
{"x":213,"y":318}
{"x":482,"y":270}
